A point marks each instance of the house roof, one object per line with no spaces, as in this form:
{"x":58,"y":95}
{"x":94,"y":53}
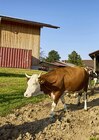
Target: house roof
{"x":89,"y":63}
{"x":26,"y":22}
{"x":58,"y":64}
{"x":94,"y":54}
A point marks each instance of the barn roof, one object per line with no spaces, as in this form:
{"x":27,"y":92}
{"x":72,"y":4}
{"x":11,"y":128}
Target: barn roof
{"x":26,"y":22}
{"x":96,"y":53}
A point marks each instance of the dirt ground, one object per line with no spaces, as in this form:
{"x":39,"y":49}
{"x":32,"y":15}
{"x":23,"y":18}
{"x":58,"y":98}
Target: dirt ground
{"x":32,"y":121}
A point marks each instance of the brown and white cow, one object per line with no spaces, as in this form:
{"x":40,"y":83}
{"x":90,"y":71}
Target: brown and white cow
{"x":55,"y":82}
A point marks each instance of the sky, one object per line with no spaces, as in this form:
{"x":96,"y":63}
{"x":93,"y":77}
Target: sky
{"x":78,"y":21}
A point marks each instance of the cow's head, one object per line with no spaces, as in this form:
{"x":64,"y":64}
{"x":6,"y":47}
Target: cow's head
{"x":33,"y":87}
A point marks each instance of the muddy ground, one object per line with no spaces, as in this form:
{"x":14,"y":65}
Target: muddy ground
{"x":32,"y":121}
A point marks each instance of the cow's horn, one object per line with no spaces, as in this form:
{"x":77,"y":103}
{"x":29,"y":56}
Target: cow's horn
{"x":27,"y":76}
{"x":40,"y":74}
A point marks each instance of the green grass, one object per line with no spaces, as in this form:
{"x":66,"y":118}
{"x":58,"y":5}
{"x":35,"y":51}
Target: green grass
{"x":94,"y":138}
{"x":13,"y":84}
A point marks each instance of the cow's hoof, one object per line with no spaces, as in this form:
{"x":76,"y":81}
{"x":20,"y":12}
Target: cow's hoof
{"x":85,"y":109}
{"x":52,"y":117}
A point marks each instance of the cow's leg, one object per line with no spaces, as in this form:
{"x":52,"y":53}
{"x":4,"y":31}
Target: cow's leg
{"x":78,"y":98}
{"x":85,"y":100}
{"x":53,"y":105}
{"x":63,"y":101}
{"x":52,"y":109}
{"x":55,"y":96}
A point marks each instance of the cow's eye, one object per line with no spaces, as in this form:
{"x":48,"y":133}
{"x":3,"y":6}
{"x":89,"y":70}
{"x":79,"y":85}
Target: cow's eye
{"x":34,"y":84}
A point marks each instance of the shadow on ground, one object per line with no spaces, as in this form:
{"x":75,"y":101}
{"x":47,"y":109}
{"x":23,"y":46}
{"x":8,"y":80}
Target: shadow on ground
{"x":11,"y":75}
{"x":13,"y":131}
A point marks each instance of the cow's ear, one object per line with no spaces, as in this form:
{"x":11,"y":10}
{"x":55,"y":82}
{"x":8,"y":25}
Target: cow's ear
{"x":41,"y":81}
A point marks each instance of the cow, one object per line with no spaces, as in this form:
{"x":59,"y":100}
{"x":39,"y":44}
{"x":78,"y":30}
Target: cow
{"x":56,"y":82}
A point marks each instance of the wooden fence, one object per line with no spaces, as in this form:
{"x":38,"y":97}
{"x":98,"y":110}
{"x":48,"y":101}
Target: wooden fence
{"x":15,"y":58}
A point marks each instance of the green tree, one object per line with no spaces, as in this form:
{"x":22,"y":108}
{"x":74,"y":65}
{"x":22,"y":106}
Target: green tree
{"x":53,"y":56}
{"x":75,"y":58}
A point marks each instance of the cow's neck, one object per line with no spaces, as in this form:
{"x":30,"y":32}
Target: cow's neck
{"x":45,"y":89}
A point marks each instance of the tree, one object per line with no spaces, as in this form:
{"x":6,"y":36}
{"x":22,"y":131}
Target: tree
{"x":53,"y":56}
{"x":74,"y":58}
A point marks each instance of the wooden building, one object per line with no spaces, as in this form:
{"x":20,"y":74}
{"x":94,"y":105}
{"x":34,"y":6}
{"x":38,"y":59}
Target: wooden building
{"x":95,"y":57}
{"x":48,"y":66}
{"x":20,"y":42}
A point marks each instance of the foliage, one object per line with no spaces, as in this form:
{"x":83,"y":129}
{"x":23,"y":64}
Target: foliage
{"x":92,"y":83}
{"x":74,"y":58}
{"x":94,"y":138}
{"x":12,"y":86}
{"x":53,"y":56}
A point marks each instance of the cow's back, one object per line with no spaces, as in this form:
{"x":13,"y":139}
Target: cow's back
{"x":67,"y":78}
{"x":75,"y":79}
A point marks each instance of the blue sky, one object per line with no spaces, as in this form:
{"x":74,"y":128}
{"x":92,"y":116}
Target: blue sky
{"x":78,"y":21}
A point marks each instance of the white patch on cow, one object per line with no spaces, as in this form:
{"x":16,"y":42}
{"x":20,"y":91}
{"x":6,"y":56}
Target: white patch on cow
{"x":85,"y":105}
{"x":52,"y":110}
{"x":33,"y":87}
{"x":52,"y":95}
{"x":85,"y":101}
{"x":95,"y":81}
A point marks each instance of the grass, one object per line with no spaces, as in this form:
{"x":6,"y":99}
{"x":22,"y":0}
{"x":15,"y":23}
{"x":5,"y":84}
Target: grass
{"x":13,"y":84}
{"x":94,"y":138}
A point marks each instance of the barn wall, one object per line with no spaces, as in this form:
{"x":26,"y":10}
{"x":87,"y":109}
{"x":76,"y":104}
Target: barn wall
{"x":15,"y":58}
{"x":21,"y":36}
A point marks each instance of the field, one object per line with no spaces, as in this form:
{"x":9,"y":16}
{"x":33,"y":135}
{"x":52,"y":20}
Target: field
{"x":28,"y":118}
